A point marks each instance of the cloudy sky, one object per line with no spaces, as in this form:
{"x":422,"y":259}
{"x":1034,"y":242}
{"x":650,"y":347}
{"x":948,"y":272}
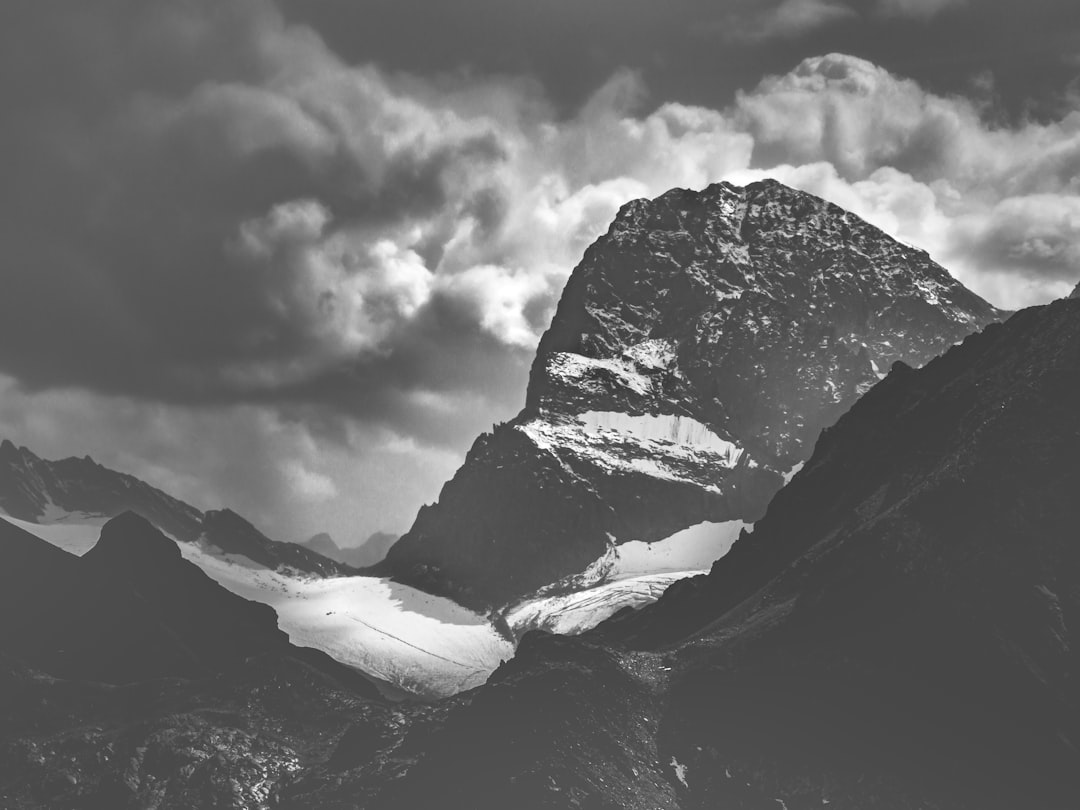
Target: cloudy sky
{"x":293,"y":256}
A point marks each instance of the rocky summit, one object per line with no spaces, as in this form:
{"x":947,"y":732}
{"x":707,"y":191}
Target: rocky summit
{"x":697,"y":352}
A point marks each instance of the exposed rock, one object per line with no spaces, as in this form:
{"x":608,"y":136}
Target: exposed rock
{"x":697,"y":352}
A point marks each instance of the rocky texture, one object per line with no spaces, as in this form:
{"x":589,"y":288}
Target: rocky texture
{"x":697,"y":352}
{"x":896,"y":632}
{"x":235,"y":740}
{"x":78,"y":489}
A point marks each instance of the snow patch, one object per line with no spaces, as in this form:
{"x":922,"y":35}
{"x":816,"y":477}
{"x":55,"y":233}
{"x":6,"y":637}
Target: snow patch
{"x":661,"y":428}
{"x":656,"y":354}
{"x":74,"y":538}
{"x":680,"y":771}
{"x":621,"y":443}
{"x":424,"y":644}
{"x":793,"y":472}
{"x":573,"y":613}
{"x":587,"y":372}
{"x":692,"y":549}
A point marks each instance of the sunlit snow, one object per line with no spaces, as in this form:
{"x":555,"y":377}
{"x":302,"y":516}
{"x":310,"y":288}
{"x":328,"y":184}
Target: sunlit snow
{"x":662,"y":427}
{"x":76,"y":538}
{"x":423,"y":644}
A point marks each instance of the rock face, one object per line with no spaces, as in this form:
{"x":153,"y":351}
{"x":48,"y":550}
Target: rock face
{"x":897,"y":631}
{"x":698,"y":350}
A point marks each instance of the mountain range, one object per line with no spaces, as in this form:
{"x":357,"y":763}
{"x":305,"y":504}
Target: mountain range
{"x":801,"y":507}
{"x":77,"y":490}
{"x":371,"y":551}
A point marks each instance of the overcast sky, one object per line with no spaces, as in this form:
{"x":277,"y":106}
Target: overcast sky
{"x":292,"y":257}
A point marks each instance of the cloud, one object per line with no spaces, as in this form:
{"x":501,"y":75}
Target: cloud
{"x":216,"y":225}
{"x":992,"y":202}
{"x":309,"y":485}
{"x":919,"y":9}
{"x":794,"y":19}
{"x":788,"y":19}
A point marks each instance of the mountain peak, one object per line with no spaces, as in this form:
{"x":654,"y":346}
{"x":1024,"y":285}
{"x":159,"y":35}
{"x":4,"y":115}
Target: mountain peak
{"x":697,"y":351}
{"x":1076,"y":292}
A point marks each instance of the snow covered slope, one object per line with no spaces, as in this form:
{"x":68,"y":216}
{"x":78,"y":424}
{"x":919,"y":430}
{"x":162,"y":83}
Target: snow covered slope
{"x":73,"y":537}
{"x":426,"y":645}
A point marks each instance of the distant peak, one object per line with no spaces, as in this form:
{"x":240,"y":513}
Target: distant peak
{"x":1076,"y":292}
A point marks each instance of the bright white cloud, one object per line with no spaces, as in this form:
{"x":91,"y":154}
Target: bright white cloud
{"x":384,"y":251}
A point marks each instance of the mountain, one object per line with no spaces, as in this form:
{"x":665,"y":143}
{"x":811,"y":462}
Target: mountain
{"x":698,"y":350}
{"x":371,"y":551}
{"x":129,"y":609}
{"x":81,"y":491}
{"x":129,"y":678}
{"x":230,"y":533}
{"x":324,"y":544}
{"x":40,"y":491}
{"x":1076,"y":292}
{"x":409,"y":642}
{"x":897,"y":631}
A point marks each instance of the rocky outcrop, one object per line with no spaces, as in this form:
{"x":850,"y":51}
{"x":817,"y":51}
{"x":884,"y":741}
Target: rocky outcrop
{"x":698,"y":350}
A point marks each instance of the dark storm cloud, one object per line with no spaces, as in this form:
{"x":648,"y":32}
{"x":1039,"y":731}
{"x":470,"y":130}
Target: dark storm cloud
{"x":327,"y":239}
{"x":702,"y":51}
{"x":192,"y":194}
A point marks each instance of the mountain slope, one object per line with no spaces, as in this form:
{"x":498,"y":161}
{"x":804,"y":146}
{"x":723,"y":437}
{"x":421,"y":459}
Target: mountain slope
{"x":129,"y":609}
{"x":897,"y":631}
{"x":698,"y":350}
{"x":40,"y":491}
{"x":81,"y":491}
{"x":129,"y":679}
